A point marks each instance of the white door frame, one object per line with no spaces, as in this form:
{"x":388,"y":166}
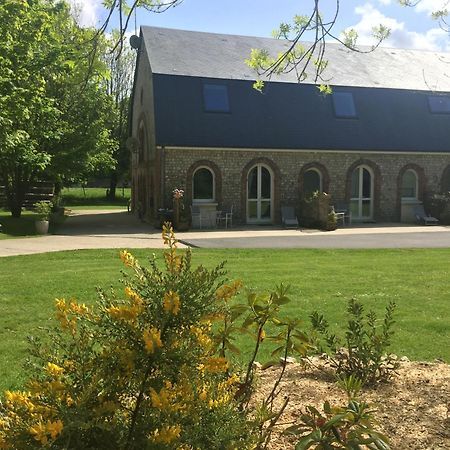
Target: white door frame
{"x":259,"y":199}
{"x":361,"y":198}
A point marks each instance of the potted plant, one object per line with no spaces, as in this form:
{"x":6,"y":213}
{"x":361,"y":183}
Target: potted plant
{"x":43,"y":210}
{"x":181,"y":215}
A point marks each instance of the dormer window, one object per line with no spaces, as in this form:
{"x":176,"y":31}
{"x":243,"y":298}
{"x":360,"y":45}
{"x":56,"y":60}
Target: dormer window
{"x":215,"y":98}
{"x":439,"y":104}
{"x":343,"y":104}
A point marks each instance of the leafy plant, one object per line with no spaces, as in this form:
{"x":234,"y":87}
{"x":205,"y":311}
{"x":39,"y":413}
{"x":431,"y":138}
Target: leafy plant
{"x":138,"y":371}
{"x":366,"y":342}
{"x":349,"y":427}
{"x":43,"y":209}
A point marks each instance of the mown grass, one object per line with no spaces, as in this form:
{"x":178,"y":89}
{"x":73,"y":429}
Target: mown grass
{"x":18,"y":227}
{"x":417,"y":280}
{"x":94,"y":198}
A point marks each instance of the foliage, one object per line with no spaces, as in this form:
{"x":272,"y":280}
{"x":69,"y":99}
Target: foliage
{"x":347,"y":427}
{"x":43,"y":209}
{"x":315,"y":211}
{"x":52,"y":115}
{"x":136,"y":372}
{"x":366,"y":342}
{"x":307,"y":59}
{"x":438,"y":205}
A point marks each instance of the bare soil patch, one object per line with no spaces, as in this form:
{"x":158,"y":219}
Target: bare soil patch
{"x":413,"y":409}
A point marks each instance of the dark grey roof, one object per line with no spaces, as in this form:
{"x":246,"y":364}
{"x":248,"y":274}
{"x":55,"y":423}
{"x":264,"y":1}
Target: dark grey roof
{"x":211,"y":55}
{"x":296,"y":116}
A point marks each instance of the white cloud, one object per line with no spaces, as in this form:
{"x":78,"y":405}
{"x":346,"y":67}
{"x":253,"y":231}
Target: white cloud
{"x":385,"y":2}
{"x":86,"y":12}
{"x":430,"y":6}
{"x":401,"y":37}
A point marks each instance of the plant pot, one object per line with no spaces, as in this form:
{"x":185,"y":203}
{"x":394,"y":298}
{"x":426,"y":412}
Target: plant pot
{"x":41,"y":226}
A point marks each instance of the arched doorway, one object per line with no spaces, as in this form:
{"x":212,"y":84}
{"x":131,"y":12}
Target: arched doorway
{"x":362,"y":193}
{"x":260,"y":194}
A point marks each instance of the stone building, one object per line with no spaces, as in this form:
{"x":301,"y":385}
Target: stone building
{"x":378,"y":143}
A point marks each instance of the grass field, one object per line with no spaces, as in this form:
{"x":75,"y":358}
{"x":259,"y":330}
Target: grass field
{"x":320,"y":279}
{"x":92,"y":198}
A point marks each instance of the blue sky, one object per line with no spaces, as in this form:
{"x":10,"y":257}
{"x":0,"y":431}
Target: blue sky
{"x":411,"y":27}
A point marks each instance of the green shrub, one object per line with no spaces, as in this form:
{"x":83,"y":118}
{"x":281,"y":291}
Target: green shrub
{"x":363,"y":354}
{"x":138,"y":371}
{"x":43,"y":209}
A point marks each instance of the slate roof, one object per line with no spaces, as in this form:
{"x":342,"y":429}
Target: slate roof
{"x":211,"y":55}
{"x":390,"y":88}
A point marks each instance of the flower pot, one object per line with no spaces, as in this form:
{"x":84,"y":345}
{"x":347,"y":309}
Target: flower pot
{"x":41,"y":226}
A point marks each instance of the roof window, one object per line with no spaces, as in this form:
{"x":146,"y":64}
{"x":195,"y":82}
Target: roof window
{"x":343,"y":104}
{"x":439,"y":104}
{"x":215,"y":98}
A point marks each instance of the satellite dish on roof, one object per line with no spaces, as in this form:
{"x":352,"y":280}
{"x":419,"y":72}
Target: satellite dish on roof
{"x":135,"y":42}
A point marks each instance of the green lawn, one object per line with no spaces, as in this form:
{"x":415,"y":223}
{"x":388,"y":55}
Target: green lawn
{"x":14,"y":228}
{"x":321,"y":279}
{"x":94,"y":198}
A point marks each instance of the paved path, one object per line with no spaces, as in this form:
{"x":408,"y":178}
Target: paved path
{"x":117,"y":229}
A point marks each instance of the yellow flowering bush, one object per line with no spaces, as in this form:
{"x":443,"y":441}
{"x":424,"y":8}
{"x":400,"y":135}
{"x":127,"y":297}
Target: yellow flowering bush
{"x":138,"y":371}
{"x":152,"y":367}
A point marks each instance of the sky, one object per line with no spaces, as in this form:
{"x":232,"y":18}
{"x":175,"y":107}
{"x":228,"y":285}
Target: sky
{"x":410,"y":27}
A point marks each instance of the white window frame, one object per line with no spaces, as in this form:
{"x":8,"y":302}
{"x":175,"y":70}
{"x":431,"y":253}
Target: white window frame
{"x":258,"y":200}
{"x":416,"y":188}
{"x":360,"y":197}
{"x":204,"y":200}
{"x":313,"y":169}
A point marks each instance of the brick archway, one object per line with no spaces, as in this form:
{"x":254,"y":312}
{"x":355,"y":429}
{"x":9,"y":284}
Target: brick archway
{"x":421,"y":183}
{"x":323,"y":173}
{"x":217,"y":179}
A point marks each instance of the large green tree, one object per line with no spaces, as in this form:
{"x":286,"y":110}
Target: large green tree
{"x":54,"y":112}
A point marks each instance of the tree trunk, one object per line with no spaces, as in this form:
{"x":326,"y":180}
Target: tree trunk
{"x":112,"y":186}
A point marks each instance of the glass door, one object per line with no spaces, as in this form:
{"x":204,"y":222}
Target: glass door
{"x":361,"y":201}
{"x":259,"y":195}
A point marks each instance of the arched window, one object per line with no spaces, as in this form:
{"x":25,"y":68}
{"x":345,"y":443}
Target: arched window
{"x":312,"y":182}
{"x":203,"y":189}
{"x":142,"y":141}
{"x":409,"y":189}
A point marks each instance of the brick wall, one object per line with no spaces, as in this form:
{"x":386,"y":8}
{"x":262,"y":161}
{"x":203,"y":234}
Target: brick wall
{"x":287,"y":167}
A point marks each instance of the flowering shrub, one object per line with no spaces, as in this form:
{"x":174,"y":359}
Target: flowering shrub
{"x":138,"y":371}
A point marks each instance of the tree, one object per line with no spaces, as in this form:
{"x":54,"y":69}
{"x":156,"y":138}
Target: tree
{"x":119,"y":87}
{"x":53,"y":117}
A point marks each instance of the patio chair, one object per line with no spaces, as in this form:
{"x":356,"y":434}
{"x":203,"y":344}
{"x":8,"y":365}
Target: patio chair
{"x":424,"y":218}
{"x":288,"y":217}
{"x":343,"y":212}
{"x":225,"y":217}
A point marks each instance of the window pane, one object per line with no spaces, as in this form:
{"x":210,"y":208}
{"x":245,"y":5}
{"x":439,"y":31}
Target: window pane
{"x":253,"y":183}
{"x":409,"y":183}
{"x":366,"y":208}
{"x":311,"y":182}
{"x":252,"y":210}
{"x":355,"y":183}
{"x":354,"y":208}
{"x":439,"y":104}
{"x":265,"y":210}
{"x":203,"y":184}
{"x":265,"y":183}
{"x":215,"y":97}
{"x":344,"y":105}
{"x":366,"y":184}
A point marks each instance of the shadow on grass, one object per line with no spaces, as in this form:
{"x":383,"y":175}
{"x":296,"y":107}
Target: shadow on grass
{"x":12,"y":227}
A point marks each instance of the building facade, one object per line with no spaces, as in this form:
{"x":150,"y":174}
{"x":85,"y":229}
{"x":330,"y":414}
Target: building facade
{"x":378,"y":144}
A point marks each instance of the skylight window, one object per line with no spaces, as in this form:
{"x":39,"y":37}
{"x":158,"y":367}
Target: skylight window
{"x":215,"y":98}
{"x":343,"y":104}
{"x":439,"y":104}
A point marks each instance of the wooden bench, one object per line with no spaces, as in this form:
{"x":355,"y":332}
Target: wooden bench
{"x":39,"y":191}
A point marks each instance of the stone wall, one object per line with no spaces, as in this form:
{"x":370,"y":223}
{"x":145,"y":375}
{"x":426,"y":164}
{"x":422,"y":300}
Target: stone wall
{"x":287,"y":167}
